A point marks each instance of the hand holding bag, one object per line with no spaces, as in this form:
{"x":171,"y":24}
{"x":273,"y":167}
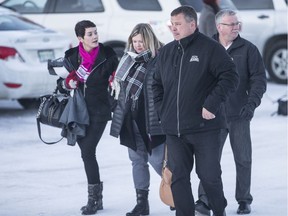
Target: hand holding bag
{"x":165,"y":191}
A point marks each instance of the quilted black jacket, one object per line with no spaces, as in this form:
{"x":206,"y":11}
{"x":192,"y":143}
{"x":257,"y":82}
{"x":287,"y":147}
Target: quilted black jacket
{"x":147,"y":119}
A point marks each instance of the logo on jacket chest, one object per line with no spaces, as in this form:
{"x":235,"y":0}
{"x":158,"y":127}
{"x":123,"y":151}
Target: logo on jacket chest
{"x":194,"y":58}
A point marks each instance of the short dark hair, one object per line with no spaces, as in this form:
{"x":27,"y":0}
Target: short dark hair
{"x":81,"y":26}
{"x":188,"y":12}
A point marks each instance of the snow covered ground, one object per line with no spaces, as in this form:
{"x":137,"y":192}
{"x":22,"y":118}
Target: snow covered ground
{"x":42,"y":180}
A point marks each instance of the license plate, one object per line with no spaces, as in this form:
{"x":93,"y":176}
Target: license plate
{"x":44,"y":55}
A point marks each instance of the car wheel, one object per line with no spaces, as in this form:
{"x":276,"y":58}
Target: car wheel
{"x":276,"y":62}
{"x":29,"y":103}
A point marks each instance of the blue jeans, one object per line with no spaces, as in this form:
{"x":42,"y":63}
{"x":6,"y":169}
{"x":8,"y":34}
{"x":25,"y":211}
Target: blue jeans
{"x":240,"y":140}
{"x":205,"y":147}
{"x":140,"y":159}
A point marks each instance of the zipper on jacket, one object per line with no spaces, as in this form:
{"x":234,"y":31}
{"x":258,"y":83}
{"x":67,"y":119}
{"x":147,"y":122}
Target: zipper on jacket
{"x":85,"y":86}
{"x":178,"y":90}
{"x":84,"y":89}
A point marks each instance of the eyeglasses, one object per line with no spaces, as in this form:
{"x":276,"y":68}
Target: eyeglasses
{"x":232,"y":24}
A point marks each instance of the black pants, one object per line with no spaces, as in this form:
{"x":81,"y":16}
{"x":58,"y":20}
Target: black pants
{"x":240,"y":140}
{"x":88,"y":146}
{"x":205,"y":147}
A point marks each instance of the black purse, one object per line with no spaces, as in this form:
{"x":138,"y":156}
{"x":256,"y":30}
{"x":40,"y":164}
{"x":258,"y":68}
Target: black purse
{"x":50,"y":111}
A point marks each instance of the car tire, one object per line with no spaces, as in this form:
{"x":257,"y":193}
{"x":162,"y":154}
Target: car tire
{"x":276,"y":62}
{"x":29,"y":103}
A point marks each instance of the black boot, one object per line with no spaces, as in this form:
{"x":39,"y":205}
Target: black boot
{"x":100,"y":197}
{"x":94,"y":199}
{"x":142,"y":206}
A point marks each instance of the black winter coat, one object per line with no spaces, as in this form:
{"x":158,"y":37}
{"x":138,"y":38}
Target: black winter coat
{"x":95,"y":90}
{"x":193,"y":73}
{"x":251,"y":70}
{"x":145,"y":116}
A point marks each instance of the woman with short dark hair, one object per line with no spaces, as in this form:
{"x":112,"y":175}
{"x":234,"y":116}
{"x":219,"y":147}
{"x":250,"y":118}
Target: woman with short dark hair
{"x":90,"y":65}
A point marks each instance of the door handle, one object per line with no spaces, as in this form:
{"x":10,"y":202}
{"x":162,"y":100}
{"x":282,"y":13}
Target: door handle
{"x":263,"y":16}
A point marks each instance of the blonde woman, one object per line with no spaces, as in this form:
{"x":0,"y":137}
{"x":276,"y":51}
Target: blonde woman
{"x":134,"y":118}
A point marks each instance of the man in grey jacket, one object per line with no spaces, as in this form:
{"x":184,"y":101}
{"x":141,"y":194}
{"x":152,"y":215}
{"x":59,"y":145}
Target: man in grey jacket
{"x":193,"y":77}
{"x":240,"y":106}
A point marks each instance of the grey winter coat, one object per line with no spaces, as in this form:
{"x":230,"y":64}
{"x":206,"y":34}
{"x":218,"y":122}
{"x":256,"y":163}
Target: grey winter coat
{"x":75,"y":122}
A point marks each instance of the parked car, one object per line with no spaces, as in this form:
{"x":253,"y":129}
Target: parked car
{"x":25,"y":48}
{"x":264,"y":22}
{"x":114,"y":18}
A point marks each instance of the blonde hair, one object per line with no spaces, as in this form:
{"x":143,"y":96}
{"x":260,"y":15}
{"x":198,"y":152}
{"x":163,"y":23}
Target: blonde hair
{"x":149,"y":38}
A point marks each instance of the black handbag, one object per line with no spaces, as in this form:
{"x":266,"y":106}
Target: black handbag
{"x":50,"y":111}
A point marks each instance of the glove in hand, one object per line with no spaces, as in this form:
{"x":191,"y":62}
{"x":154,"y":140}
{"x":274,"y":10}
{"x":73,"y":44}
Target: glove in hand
{"x":114,"y":85}
{"x":115,"y":89}
{"x":71,"y":82}
{"x":247,"y":112}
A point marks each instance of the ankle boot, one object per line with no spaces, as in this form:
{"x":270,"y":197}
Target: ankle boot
{"x":94,"y":199}
{"x":142,"y":206}
{"x":100,"y":197}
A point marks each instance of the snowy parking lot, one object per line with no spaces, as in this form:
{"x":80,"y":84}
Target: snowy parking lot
{"x":49,"y":180}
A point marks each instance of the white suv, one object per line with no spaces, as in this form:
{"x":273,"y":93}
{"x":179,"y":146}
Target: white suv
{"x":114,"y":18}
{"x":264,"y":22}
{"x":265,"y":25}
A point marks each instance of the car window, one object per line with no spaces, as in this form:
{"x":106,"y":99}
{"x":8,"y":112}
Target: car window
{"x":147,"y":5}
{"x":10,"y":22}
{"x":227,"y":4}
{"x":253,"y":4}
{"x":24,"y":6}
{"x":61,"y":6}
{"x":197,"y":4}
{"x":78,"y":6}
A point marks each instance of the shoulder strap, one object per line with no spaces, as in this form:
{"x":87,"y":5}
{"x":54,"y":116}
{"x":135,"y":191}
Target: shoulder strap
{"x":39,"y":133}
{"x":165,"y":157}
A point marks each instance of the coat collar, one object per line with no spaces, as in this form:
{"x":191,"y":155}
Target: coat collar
{"x":238,"y":41}
{"x":184,"y":42}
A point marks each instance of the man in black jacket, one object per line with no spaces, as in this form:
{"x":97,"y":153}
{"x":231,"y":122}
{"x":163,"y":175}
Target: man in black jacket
{"x":193,"y":78}
{"x":241,"y":105}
